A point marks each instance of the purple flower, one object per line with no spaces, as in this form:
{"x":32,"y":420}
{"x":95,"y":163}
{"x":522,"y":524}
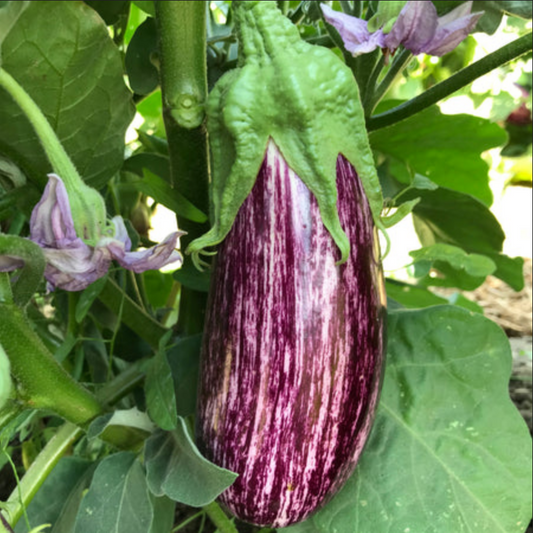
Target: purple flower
{"x":417,"y":27}
{"x":71,"y":263}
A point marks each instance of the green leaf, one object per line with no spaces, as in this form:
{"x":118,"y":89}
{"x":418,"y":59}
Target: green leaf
{"x":164,"y":509}
{"x":448,"y":217}
{"x":175,"y":468}
{"x":411,"y":296}
{"x":118,"y":500}
{"x":87,"y":298}
{"x":142,"y":73}
{"x":192,"y":278}
{"x":467,"y":272}
{"x":401,"y":212}
{"x":158,"y":287}
{"x":449,"y":452}
{"x":445,"y":148}
{"x":9,"y":13}
{"x":67,"y":475}
{"x":517,"y":8}
{"x":147,"y":6}
{"x":62,"y":55}
{"x":128,"y":427}
{"x":184,"y":361}
{"x":111,"y":12}
{"x":155,"y":183}
{"x":159,"y":389}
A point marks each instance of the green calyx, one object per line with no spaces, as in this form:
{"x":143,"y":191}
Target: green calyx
{"x":300,"y":96}
{"x":88,"y":210}
{"x":386,"y":16}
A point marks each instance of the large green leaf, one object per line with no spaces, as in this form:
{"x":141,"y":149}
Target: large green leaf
{"x":9,"y":13}
{"x":62,"y":55}
{"x":449,"y":452}
{"x":445,"y":148}
{"x":63,"y":483}
{"x":176,"y":468}
{"x":445,"y":216}
{"x":118,"y":499}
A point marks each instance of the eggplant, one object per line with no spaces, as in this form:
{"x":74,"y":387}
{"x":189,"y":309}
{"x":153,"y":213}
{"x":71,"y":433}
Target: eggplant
{"x":293,"y":349}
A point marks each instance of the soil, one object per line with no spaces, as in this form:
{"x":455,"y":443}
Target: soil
{"x":511,"y":310}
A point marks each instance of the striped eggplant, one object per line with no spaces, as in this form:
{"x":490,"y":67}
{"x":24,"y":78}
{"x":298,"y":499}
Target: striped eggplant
{"x":293,"y":351}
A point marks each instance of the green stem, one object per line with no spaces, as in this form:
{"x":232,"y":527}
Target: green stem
{"x":61,"y":442}
{"x":115,"y":299}
{"x":57,"y":156}
{"x":43,"y":383}
{"x":283,"y":6}
{"x":399,"y":63}
{"x":454,"y":83}
{"x":182,"y":53}
{"x":372,"y":80}
{"x":219,"y":518}
{"x":40,"y":469}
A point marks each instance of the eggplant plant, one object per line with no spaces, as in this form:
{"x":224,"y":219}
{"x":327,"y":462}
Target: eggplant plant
{"x":254,"y":367}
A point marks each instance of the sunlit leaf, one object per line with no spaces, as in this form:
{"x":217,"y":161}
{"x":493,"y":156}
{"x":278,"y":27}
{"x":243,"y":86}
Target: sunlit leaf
{"x":444,"y":148}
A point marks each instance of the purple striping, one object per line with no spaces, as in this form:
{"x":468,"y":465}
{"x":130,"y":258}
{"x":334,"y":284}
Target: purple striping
{"x":293,"y":351}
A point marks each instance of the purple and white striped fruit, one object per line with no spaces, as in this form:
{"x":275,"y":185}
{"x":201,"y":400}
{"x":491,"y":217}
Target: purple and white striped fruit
{"x":293,"y":351}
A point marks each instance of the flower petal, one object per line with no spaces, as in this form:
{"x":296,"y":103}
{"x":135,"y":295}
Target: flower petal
{"x":353,"y":31}
{"x":121,"y":233}
{"x":71,"y":264}
{"x":151,"y":259}
{"x":453,"y":28}
{"x":414,"y":28}
{"x":75,"y":268}
{"x":8,"y":263}
{"x":51,"y":221}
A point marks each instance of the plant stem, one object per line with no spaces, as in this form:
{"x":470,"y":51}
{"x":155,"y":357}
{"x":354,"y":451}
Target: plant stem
{"x":372,"y":80}
{"x":61,"y":442}
{"x":283,"y":6}
{"x":57,"y":156}
{"x":44,"y":384}
{"x":399,"y":63}
{"x":115,"y":299}
{"x":182,"y":52}
{"x":40,"y":469}
{"x":219,"y":518}
{"x":457,"y":81}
